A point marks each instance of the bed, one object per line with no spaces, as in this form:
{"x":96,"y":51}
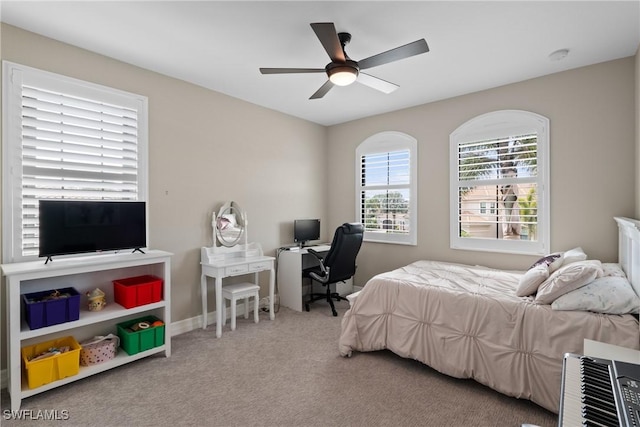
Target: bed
{"x":468,"y":321}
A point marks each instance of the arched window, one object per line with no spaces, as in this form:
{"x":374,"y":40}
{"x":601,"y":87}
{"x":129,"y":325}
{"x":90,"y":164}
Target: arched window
{"x":500,"y":159}
{"x":386,"y":188}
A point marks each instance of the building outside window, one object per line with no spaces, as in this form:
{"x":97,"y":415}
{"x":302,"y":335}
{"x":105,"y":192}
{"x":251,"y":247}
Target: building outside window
{"x":500,"y":184}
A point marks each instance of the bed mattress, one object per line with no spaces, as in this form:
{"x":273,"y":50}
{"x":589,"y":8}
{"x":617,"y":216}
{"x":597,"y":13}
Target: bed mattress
{"x":466,"y":322}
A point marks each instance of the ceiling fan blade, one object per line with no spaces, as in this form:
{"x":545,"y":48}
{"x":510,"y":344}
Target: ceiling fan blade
{"x":328,"y":36}
{"x":376,"y":83}
{"x":291,"y":70}
{"x":402,"y":52}
{"x":323,"y":90}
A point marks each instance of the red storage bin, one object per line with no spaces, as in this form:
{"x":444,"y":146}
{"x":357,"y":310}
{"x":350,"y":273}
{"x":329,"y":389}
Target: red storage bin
{"x":140,"y":290}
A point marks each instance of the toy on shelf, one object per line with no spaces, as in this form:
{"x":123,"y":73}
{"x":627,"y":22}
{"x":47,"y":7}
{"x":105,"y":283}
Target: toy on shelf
{"x":97,"y":300}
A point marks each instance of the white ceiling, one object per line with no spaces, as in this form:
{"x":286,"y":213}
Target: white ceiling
{"x":474,"y":45}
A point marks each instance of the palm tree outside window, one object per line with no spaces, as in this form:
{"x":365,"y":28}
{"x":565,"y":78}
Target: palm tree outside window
{"x":500,"y":160}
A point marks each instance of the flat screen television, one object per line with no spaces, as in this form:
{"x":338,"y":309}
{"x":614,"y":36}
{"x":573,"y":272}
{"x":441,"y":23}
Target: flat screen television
{"x":73,"y":227}
{"x":305,"y":230}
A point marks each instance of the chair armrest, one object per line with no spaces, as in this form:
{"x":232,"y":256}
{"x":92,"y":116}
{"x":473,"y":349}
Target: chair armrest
{"x":323,"y":269}
{"x":322,"y":277}
{"x":315,"y":254}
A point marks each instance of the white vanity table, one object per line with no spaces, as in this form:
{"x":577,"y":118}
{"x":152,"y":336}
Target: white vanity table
{"x":233,"y":263}
{"x":233,"y":257}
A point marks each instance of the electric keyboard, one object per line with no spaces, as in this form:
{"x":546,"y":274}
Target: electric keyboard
{"x":599,"y":392}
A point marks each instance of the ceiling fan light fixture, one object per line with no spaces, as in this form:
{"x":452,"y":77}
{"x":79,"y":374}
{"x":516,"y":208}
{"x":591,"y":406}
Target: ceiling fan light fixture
{"x":342,"y":75}
{"x":343,"y":71}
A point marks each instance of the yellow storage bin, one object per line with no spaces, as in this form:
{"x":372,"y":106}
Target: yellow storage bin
{"x":43,"y":365}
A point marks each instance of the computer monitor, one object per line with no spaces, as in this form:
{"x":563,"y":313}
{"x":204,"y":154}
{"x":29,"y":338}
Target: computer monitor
{"x":305,"y":230}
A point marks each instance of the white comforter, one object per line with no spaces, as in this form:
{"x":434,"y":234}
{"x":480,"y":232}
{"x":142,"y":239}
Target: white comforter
{"x":467,"y":322}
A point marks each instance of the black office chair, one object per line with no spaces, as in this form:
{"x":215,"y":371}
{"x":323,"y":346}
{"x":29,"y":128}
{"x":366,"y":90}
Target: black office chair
{"x":338,"y":265}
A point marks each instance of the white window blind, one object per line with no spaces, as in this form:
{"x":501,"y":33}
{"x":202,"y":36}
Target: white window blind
{"x":70,"y":140}
{"x":385,"y":192}
{"x":500,"y":184}
{"x":498,"y":158}
{"x":386,"y":188}
{"x":502,"y":173}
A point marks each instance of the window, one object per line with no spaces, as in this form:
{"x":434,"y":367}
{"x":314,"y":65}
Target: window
{"x":386,"y":188}
{"x":500,"y":183}
{"x":65,"y":139}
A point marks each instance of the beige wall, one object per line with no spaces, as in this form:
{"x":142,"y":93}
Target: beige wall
{"x":204,"y":148}
{"x":592,"y":139}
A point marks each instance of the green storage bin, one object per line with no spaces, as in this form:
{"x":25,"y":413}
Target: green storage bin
{"x":134,"y":342}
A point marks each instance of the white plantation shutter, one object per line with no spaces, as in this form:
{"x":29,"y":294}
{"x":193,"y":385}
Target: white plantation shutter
{"x":385,"y":191}
{"x":500,"y":160}
{"x":386,"y":188}
{"x":502,"y":172}
{"x":67,"y":140}
{"x":483,"y":160}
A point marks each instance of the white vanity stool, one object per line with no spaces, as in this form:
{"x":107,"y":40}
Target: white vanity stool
{"x":234,"y":293}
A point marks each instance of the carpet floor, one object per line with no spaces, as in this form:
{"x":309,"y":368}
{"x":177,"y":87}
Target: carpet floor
{"x":285,"y":372}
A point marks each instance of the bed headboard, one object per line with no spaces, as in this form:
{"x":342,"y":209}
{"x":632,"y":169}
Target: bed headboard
{"x":629,"y":249}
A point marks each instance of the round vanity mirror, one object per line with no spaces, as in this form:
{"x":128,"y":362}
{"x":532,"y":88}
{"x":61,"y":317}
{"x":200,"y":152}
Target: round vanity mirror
{"x":230,"y":224}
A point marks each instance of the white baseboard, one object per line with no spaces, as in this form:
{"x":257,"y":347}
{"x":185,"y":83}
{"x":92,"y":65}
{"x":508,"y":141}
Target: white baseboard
{"x":177,"y":328}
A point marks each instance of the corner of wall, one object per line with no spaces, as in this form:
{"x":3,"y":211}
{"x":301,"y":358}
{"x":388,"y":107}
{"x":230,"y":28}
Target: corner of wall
{"x":637,"y":92}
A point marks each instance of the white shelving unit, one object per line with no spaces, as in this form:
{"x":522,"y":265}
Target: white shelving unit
{"x":84,"y":274}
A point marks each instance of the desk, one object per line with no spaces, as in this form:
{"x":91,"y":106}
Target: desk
{"x":291,"y":262}
{"x":228,"y":265}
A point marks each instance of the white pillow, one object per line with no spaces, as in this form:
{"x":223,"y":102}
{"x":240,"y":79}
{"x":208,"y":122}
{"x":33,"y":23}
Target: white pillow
{"x":529,"y":282}
{"x":573,"y":255}
{"x":613,"y":269}
{"x":553,"y":261}
{"x":609,"y":294}
{"x":566,"y":279}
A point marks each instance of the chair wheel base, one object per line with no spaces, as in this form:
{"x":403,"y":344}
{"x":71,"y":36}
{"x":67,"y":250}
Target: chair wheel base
{"x":329,"y":297}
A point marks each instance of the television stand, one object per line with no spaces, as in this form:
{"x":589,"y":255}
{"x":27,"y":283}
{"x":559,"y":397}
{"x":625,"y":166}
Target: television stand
{"x":137,"y":250}
{"x":83,"y":274}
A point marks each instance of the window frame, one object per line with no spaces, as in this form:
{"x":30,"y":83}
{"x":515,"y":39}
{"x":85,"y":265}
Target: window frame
{"x":13,"y":77}
{"x":493,"y":125}
{"x":384,"y":142}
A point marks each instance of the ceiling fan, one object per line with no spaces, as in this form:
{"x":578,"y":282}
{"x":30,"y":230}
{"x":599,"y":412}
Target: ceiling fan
{"x":342,"y":70}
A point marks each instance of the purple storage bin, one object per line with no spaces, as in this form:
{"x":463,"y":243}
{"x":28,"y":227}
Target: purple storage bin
{"x":40,"y":314}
